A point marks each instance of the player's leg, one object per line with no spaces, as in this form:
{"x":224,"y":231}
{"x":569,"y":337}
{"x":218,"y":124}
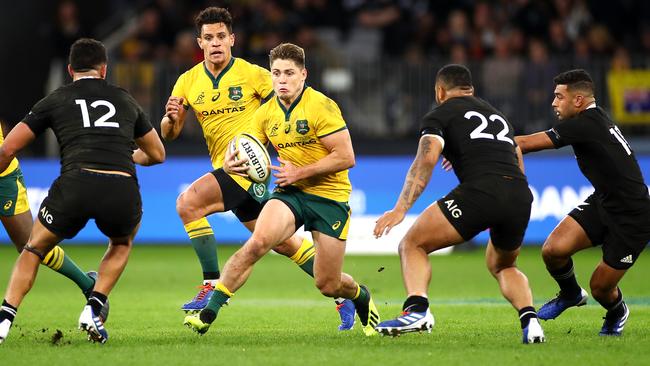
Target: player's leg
{"x":568,"y":237}
{"x":202,"y":198}
{"x":604,"y":288}
{"x":24,"y":273}
{"x":275,"y":224}
{"x":514,"y":286}
{"x":17,"y":221}
{"x":430,"y":232}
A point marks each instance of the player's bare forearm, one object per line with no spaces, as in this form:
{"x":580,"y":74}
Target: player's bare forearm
{"x":168,"y":129}
{"x":151,"y":150}
{"x":534,"y":142}
{"x":19,"y":137}
{"x":419,"y":173}
{"x":520,"y":159}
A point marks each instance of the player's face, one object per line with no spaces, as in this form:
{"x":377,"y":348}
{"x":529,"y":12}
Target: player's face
{"x":563,"y":103}
{"x":288,"y":79}
{"x":216,"y":42}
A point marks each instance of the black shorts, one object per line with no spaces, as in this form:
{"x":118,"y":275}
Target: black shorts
{"x":236,"y":199}
{"x":623,"y":238}
{"x":77,"y":196}
{"x":501,"y":204}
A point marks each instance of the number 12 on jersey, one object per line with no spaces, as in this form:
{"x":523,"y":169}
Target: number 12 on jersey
{"x":101,"y":121}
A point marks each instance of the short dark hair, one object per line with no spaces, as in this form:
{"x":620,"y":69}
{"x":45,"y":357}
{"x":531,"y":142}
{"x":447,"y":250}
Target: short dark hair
{"x":213,"y":15}
{"x":288,"y":51}
{"x":577,"y":79}
{"x":87,"y":54}
{"x":455,"y":76}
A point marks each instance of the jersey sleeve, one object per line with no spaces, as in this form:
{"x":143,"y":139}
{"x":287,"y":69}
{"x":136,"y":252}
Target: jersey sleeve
{"x":331,"y":119}
{"x":568,"y":132}
{"x":432,"y":124}
{"x":142,"y":124}
{"x":262,"y":83}
{"x":39,"y":117}
{"x":180,"y":90}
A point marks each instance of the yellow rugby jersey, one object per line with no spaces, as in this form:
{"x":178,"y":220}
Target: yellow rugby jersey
{"x":296,"y":132}
{"x":224,"y":106}
{"x":14,"y":163}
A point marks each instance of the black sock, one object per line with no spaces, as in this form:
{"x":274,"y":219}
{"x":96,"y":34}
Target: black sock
{"x":7,"y":311}
{"x":415,"y":304}
{"x":211,"y":275}
{"x":525,"y":314}
{"x":615,"y":309}
{"x":565,"y":277}
{"x":97,"y":301}
{"x":207,"y":316}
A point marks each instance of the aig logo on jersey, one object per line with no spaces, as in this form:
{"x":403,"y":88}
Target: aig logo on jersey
{"x":46,"y":215}
{"x":452,"y":207}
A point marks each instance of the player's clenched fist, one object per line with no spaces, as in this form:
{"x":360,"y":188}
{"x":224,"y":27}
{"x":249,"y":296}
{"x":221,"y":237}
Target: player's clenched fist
{"x":173,"y":107}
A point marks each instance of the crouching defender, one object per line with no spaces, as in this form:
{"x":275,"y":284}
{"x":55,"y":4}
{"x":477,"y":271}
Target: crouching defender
{"x":493,"y":193}
{"x":312,"y":140}
{"x":96,"y":125}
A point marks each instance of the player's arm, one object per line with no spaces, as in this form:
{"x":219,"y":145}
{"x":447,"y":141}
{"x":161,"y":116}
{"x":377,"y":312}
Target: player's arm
{"x":534,"y":142}
{"x":417,"y":178}
{"x":19,"y":137}
{"x":174,"y":119}
{"x":520,"y":159}
{"x":340,"y":157}
{"x":150,"y":149}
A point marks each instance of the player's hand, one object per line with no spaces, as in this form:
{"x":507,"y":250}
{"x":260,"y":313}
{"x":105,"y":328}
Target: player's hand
{"x":234,"y":166}
{"x":387,"y":221}
{"x":286,"y":174}
{"x":446,"y":165}
{"x":173,"y":108}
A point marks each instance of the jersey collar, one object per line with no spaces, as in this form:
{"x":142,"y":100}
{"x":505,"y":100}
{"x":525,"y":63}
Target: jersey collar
{"x":287,"y":112}
{"x":215,"y":81}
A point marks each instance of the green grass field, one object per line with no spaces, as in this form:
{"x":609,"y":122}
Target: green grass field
{"x":279,"y":318}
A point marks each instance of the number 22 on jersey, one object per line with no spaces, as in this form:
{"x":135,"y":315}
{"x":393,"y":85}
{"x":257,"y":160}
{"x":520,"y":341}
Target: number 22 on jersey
{"x":478,"y":133}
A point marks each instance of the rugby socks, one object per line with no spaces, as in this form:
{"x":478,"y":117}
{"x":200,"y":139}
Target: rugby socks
{"x":565,"y":277}
{"x":361,"y":300}
{"x":304,"y":257}
{"x":415,"y":304}
{"x":58,"y":261}
{"x":205,"y":246}
{"x":525,"y":314}
{"x":615,"y":309}
{"x":219,"y":298}
{"x":97,"y":301}
{"x":7,"y":311}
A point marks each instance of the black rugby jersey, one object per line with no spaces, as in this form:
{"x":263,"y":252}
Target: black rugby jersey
{"x":478,"y":138}
{"x":94,"y":122}
{"x":606,"y":160}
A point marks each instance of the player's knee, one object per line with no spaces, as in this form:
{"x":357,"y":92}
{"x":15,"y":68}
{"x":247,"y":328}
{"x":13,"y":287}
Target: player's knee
{"x":550,"y":250}
{"x":258,"y":245}
{"x":600,"y":291}
{"x":328,"y":286}
{"x":405,"y":245}
{"x":186,"y":211}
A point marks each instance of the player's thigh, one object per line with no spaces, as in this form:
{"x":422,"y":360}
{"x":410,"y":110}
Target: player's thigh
{"x":432,"y":231}
{"x":568,"y":238}
{"x":275,"y":224}
{"x":42,"y":240}
{"x":18,"y":227}
{"x":328,"y":261}
{"x":201,"y":198}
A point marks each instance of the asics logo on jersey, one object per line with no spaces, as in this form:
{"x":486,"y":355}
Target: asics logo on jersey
{"x":8,"y":204}
{"x":215,"y":97}
{"x":287,"y":128}
{"x":453,"y":209}
{"x":627,"y":259}
{"x":336,"y":225}
{"x":199,"y":99}
{"x":45,"y":214}
{"x":215,"y":112}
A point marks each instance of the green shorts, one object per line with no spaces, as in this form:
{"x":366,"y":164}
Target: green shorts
{"x":13,"y":194}
{"x":317,"y":213}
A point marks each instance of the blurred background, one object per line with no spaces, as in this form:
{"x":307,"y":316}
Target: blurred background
{"x":376,"y":58}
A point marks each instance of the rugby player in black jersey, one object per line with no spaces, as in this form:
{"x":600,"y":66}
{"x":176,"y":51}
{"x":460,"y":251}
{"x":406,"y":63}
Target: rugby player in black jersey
{"x":97,"y":126}
{"x":616,"y":215}
{"x":493,"y":194}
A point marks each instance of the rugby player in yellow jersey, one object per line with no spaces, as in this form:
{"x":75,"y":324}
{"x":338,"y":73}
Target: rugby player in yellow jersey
{"x":224,"y":93}
{"x":17,"y":220}
{"x":315,"y":151}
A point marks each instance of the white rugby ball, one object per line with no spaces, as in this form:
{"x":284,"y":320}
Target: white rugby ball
{"x":258,"y":157}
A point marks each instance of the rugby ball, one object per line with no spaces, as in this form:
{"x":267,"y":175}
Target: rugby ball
{"x":258,"y":157}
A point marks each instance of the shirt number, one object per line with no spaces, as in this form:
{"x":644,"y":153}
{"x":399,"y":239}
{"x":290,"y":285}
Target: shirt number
{"x":478,"y":133}
{"x":101,"y":121}
{"x":619,"y":136}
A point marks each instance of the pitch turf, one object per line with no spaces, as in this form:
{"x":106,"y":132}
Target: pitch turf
{"x":279,"y":318}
